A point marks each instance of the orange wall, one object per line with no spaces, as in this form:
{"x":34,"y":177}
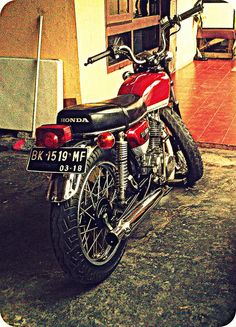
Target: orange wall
{"x":19,"y":35}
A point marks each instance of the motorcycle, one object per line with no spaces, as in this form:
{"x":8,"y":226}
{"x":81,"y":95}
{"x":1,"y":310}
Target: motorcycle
{"x":111,"y":162}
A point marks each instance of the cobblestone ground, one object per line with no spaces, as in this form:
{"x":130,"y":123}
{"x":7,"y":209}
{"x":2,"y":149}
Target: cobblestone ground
{"x":179,"y":268}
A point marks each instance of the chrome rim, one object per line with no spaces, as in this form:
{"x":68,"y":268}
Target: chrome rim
{"x":96,"y":212}
{"x":181,"y":163}
{"x":181,"y":166}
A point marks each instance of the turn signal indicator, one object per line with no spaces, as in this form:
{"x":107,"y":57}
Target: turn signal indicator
{"x":106,"y":140}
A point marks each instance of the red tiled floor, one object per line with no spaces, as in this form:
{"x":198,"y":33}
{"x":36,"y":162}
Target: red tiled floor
{"x":206,"y":91}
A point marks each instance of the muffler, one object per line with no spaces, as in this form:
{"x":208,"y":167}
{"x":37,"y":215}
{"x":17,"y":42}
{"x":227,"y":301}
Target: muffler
{"x":131,"y":219}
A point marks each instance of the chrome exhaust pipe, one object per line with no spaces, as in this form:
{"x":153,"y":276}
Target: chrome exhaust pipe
{"x":130,"y":220}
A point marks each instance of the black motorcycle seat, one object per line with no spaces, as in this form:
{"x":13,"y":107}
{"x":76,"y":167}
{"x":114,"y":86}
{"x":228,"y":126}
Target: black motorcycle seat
{"x":114,"y":114}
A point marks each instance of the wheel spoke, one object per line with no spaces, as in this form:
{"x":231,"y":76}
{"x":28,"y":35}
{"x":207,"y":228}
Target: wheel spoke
{"x":106,"y":189}
{"x":114,"y":196}
{"x":86,"y":235}
{"x":84,"y":211}
{"x":91,"y":247}
{"x":99,"y":183}
{"x":98,"y":195}
{"x":85,"y":241}
{"x":89,"y":230}
{"x":90,"y":193}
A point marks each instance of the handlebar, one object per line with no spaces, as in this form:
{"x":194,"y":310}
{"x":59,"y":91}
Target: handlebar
{"x":99,"y":56}
{"x":165,"y":24}
{"x":115,"y":50}
{"x":191,"y":12}
{"x":131,"y":54}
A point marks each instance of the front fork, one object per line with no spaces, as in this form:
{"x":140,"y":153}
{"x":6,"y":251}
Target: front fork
{"x":173,"y":100}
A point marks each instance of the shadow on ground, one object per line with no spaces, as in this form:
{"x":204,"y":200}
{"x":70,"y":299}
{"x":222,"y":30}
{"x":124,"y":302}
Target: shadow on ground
{"x":179,"y":268}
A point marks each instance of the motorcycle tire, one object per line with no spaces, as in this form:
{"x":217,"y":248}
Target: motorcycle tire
{"x":182,"y":140}
{"x":78,"y":229}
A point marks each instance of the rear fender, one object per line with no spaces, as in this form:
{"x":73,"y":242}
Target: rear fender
{"x":62,"y":187}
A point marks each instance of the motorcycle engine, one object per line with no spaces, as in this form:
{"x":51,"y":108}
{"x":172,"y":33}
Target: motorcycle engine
{"x":146,"y":141}
{"x":152,"y":155}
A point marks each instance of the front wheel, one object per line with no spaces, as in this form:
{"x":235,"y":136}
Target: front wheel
{"x":79,"y":226}
{"x":188,"y":159}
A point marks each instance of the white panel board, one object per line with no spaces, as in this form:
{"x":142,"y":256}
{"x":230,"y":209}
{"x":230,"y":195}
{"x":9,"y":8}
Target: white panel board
{"x":17,"y":83}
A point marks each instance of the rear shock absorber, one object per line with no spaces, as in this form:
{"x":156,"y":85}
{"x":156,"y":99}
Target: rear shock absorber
{"x":122,"y":166}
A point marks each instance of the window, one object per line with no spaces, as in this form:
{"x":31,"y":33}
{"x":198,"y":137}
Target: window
{"x":135,"y":23}
{"x":118,"y":11}
{"x":125,"y":39}
{"x":145,"y":39}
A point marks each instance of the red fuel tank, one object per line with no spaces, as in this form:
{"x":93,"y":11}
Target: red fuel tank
{"x":154,"y":88}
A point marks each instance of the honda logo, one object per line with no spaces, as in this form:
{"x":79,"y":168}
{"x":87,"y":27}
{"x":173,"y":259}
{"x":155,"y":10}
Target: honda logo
{"x":74,"y":120}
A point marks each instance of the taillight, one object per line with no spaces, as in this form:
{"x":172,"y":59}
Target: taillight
{"x":106,"y":140}
{"x":53,"y":136}
{"x":50,"y":140}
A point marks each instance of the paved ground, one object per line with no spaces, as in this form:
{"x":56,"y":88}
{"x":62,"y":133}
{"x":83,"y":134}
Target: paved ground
{"x":179,"y":269}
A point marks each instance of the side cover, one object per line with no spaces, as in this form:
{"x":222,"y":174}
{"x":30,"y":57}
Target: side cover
{"x":154,"y":88}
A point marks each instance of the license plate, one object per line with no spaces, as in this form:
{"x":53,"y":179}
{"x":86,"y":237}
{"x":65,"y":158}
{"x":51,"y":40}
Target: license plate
{"x":61,"y":160}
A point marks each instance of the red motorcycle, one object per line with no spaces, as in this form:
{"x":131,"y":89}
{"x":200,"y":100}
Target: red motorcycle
{"x":112,"y":161}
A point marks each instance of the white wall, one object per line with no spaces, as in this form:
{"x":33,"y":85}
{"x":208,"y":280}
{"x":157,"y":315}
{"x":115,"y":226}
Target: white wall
{"x":95,"y":83}
{"x":186,"y":37}
{"x":213,"y":17}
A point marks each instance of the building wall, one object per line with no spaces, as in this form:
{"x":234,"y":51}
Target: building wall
{"x":186,"y":38}
{"x":96,"y":83}
{"x":73,"y":30}
{"x":173,"y":11}
{"x":19,"y":36}
{"x":213,"y":17}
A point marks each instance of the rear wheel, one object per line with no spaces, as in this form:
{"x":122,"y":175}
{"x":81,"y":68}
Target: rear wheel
{"x":79,"y":226}
{"x":188,"y":159}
